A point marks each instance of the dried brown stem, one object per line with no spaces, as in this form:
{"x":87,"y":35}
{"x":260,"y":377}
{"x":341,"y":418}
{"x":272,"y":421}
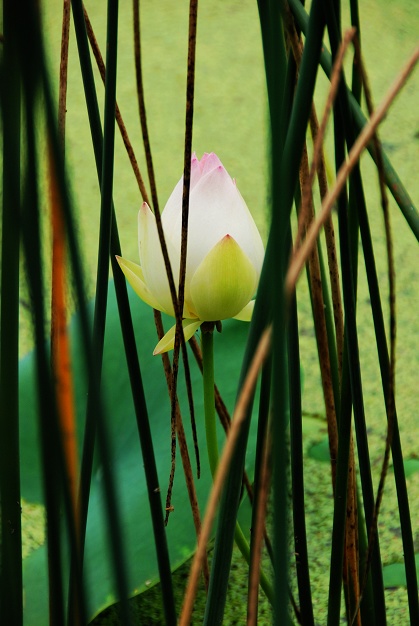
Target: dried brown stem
{"x":141,"y":103}
{"x":320,"y":327}
{"x":144,"y":129}
{"x":183,"y":447}
{"x":351,"y":555}
{"x":190,"y":88}
{"x":351,"y":535}
{"x":62,"y":97}
{"x":306,"y":215}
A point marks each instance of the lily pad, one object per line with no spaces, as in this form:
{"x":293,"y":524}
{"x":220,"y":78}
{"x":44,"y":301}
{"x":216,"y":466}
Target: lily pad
{"x":410,"y":466}
{"x":394,"y":574}
{"x":127,"y":458}
{"x":320,"y":451}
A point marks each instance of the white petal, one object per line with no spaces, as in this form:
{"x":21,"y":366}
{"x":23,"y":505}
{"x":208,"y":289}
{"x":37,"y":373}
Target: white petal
{"x":151,"y":259}
{"x":217,"y":209}
{"x":172,"y":213}
{"x":209,"y":162}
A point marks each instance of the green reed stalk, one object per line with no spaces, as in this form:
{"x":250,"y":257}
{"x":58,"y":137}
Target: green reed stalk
{"x":10,"y":540}
{"x":398,"y":465}
{"x":297,"y":470}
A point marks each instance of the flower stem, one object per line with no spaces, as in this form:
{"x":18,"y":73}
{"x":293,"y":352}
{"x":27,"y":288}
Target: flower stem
{"x":209,"y":400}
{"x":212,"y":444}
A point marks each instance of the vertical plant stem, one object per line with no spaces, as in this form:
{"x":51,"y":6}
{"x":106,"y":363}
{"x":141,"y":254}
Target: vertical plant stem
{"x":183,"y":446}
{"x":297,"y":470}
{"x":212,"y":443}
{"x":190,"y":91}
{"x":209,"y":403}
{"x":10,"y":521}
{"x":94,"y":422}
{"x":62,"y":96}
{"x":106,"y":215}
{"x":47,"y":416}
{"x":258,"y":529}
{"x":61,"y":366}
{"x":399,"y":472}
{"x":60,"y":349}
{"x":390,"y":394}
{"x":179,"y":338}
{"x":142,"y":109}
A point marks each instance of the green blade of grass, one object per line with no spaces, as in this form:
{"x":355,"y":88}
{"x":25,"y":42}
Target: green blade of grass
{"x":341,"y":490}
{"x":356,"y":74}
{"x":48,"y":422}
{"x":101,"y":305}
{"x":11,"y":599}
{"x":297,"y":470}
{"x":398,"y":465}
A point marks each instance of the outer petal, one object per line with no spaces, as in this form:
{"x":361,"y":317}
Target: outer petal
{"x":167,"y":342}
{"x":224,"y":282}
{"x":209,"y":162}
{"x":245,"y":314}
{"x":152,"y":262}
{"x":135,"y":277}
{"x":216,"y":209}
{"x":172,"y":214}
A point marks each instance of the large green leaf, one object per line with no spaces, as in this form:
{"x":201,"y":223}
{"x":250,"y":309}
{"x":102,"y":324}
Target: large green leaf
{"x":127,"y":458}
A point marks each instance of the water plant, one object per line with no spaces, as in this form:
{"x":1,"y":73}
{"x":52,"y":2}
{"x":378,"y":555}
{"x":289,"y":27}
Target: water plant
{"x":92,"y":423}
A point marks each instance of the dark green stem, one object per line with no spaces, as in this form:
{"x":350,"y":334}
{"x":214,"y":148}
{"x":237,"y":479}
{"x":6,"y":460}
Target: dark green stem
{"x":10,"y":514}
{"x":209,"y":402}
{"x":212,"y":443}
